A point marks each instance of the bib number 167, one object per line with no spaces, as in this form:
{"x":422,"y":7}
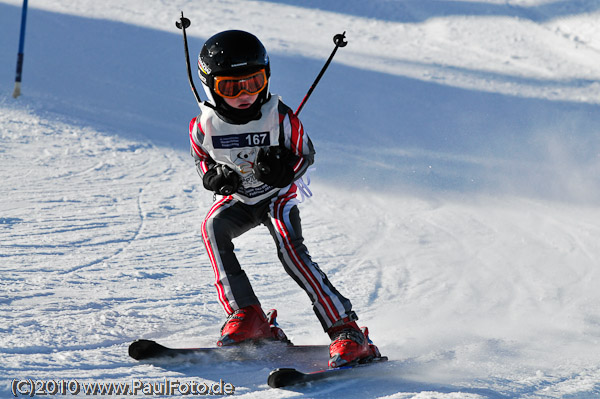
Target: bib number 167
{"x":257,"y":139}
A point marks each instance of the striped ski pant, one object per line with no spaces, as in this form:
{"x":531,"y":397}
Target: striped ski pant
{"x":229,"y":218}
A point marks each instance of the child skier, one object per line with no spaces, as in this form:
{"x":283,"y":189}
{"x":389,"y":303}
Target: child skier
{"x":249,"y":149}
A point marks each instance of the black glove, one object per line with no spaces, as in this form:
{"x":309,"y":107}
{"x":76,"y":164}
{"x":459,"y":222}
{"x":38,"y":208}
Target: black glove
{"x":274,"y":166}
{"x":222,"y":180}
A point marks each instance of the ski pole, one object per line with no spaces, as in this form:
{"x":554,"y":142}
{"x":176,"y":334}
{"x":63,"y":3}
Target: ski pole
{"x":340,"y":41}
{"x":182,"y":24}
{"x":17,"y":91}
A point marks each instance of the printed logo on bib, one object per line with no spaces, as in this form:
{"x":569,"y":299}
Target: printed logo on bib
{"x":243,"y":159}
{"x":242,"y":140}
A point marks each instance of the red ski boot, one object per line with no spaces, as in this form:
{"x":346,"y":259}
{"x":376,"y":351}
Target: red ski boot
{"x":350,"y":345}
{"x":245,"y":324}
{"x":277,"y":333}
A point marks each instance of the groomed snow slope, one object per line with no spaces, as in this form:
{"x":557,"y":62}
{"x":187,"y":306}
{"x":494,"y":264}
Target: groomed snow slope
{"x":456,"y":192}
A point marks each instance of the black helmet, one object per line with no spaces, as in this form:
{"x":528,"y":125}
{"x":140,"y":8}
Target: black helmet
{"x":234,"y":53}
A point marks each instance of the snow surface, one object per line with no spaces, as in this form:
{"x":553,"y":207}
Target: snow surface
{"x":456,"y":192}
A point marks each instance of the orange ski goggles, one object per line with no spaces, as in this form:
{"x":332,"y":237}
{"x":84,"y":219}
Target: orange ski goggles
{"x":234,"y":86}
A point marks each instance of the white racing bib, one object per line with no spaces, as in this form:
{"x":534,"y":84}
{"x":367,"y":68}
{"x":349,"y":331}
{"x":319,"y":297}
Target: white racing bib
{"x":237,"y":145}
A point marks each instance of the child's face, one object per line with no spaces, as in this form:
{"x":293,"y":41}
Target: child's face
{"x":242,"y":102}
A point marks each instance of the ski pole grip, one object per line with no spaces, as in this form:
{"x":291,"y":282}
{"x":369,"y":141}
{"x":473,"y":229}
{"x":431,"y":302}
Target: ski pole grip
{"x":227,"y":189}
{"x":264,"y":168}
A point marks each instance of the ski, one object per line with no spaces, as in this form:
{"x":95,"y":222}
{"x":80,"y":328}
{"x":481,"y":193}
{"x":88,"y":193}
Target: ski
{"x":284,"y":377}
{"x":144,"y":349}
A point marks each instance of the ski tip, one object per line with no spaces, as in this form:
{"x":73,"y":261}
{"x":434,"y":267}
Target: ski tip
{"x":144,"y":348}
{"x":283,"y":377}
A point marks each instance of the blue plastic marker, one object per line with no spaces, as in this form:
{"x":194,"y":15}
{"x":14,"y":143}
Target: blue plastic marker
{"x":17,"y":90}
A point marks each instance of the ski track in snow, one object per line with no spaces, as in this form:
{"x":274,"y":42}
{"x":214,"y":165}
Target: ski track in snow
{"x":477,"y":274}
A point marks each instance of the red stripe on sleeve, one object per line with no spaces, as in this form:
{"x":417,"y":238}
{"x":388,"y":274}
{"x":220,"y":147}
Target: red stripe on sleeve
{"x":297,"y":134}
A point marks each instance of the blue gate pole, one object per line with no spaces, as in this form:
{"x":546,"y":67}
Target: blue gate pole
{"x":17,"y":90}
